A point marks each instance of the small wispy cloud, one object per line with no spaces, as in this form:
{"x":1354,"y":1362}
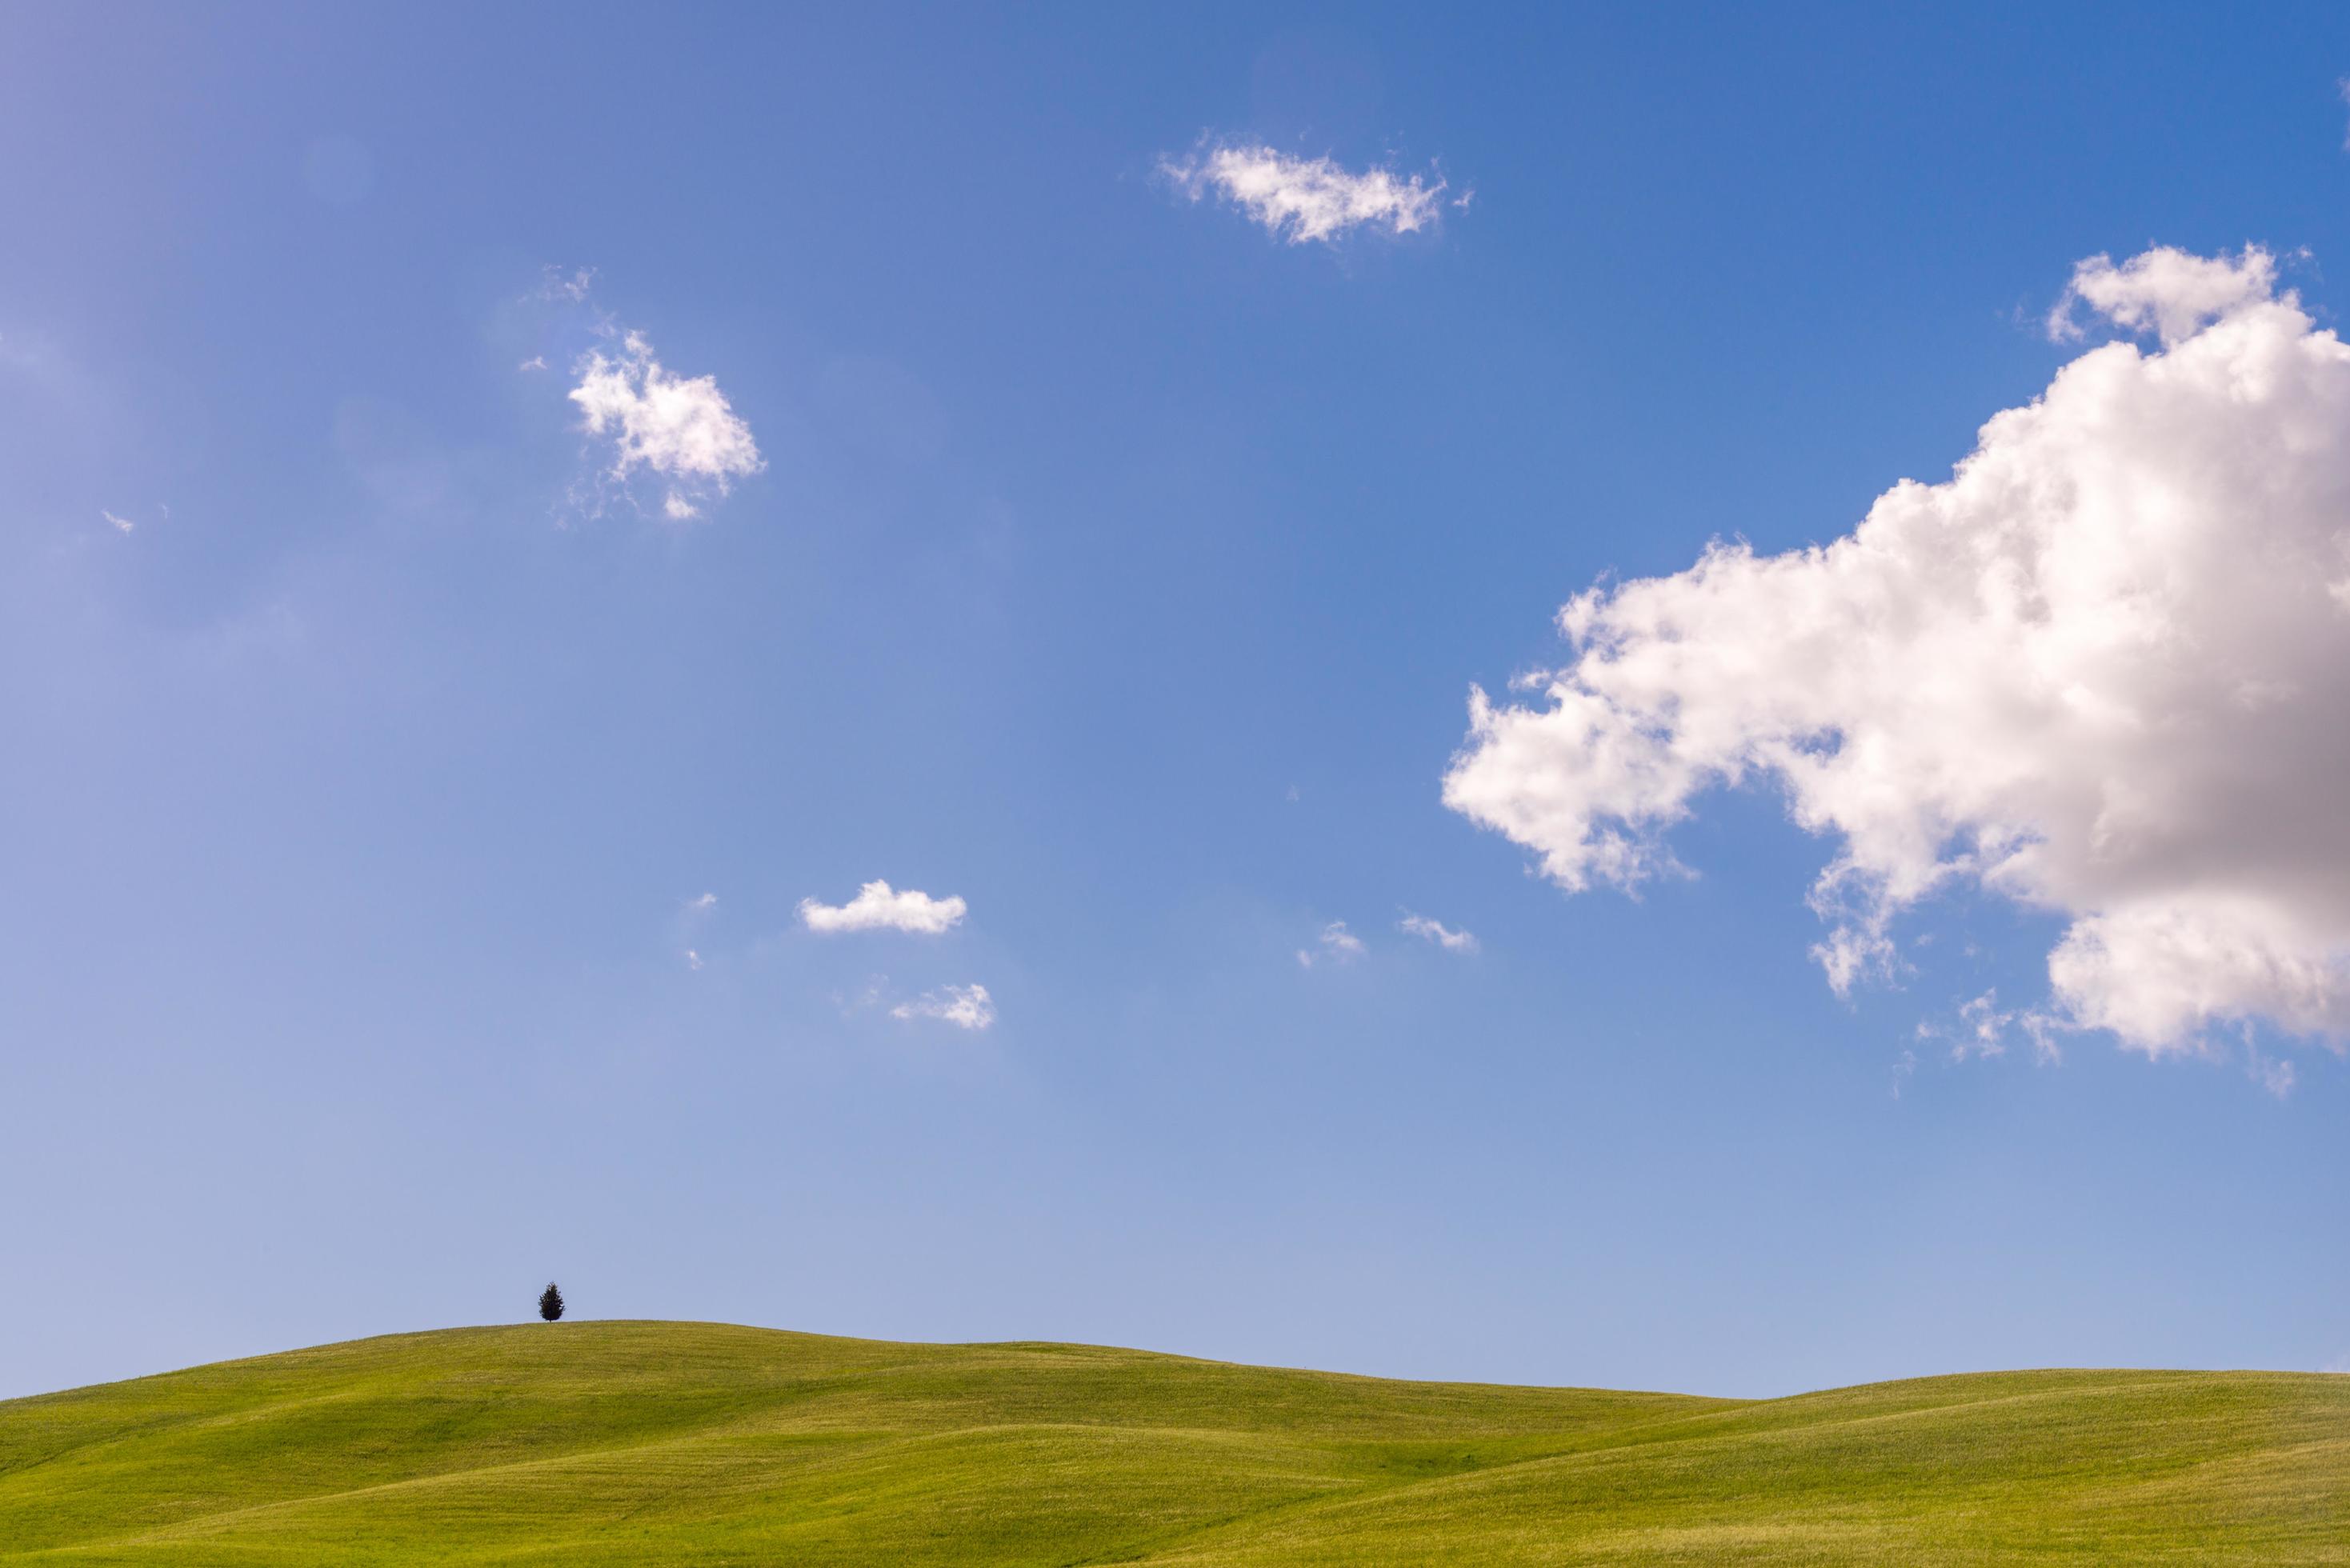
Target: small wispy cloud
{"x":572,"y":288}
{"x":681,"y":428}
{"x":694,"y":917}
{"x":650,"y":420}
{"x":1301,"y":199}
{"x":1436,"y":931}
{"x":1337,"y":944}
{"x":120,"y":525}
{"x":1983,"y":1029}
{"x":879,"y":907}
{"x":965,"y":1006}
{"x":873,"y":992}
{"x":2276,"y":1075}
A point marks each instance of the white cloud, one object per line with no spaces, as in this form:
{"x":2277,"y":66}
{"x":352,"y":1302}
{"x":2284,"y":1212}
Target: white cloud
{"x":1337,"y":944}
{"x":2173,"y":293}
{"x":876,"y":989}
{"x":1451,"y":941}
{"x":1983,"y":1029}
{"x":122,"y":524}
{"x":681,"y":428}
{"x":2276,"y":1076}
{"x":694,"y":917}
{"x":2101,"y":670}
{"x":878,"y":909}
{"x":535,"y":363}
{"x":1303,"y":199}
{"x":965,"y":1006}
{"x":572,"y":290}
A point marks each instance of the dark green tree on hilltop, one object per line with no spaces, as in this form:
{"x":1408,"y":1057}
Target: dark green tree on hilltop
{"x":550,"y":1302}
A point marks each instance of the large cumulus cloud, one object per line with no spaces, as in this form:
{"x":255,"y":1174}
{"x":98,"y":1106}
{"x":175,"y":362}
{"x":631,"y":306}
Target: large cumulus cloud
{"x":2103,"y":671}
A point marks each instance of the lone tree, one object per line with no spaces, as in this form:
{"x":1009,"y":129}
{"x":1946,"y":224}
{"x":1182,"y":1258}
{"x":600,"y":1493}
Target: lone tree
{"x":550,"y":1302}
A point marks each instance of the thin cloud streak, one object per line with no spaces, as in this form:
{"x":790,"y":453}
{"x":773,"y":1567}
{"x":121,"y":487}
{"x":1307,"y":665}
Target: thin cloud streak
{"x":1436,"y":931}
{"x":965,"y":1006}
{"x":1305,"y":200}
{"x":1337,"y":944}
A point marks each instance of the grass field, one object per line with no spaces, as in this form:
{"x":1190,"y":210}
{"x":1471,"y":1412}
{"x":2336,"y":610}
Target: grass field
{"x":650,"y":1443}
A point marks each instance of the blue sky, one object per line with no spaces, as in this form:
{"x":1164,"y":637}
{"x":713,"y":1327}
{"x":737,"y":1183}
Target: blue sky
{"x":1121,"y":567}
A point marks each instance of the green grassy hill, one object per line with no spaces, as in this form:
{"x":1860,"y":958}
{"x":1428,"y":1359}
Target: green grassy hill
{"x":647,"y":1443}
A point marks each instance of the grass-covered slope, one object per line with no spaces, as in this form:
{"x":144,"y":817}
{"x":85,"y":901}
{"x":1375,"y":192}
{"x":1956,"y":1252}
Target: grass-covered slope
{"x":647,"y":1443}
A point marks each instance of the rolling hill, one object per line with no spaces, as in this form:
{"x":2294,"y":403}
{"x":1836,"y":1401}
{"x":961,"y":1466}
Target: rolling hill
{"x":652,"y":1443}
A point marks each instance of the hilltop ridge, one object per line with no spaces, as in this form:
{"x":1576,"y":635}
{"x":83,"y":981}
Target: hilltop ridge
{"x":650,"y":1443}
